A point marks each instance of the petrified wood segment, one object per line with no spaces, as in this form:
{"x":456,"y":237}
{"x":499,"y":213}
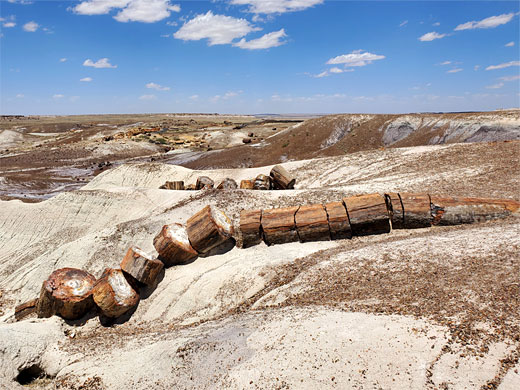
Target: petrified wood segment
{"x":25,"y":309}
{"x":395,"y":210}
{"x":457,"y":210}
{"x":67,"y":292}
{"x":141,"y":266}
{"x":227,"y":184}
{"x":312,"y":223}
{"x":417,"y":212}
{"x":190,"y":187}
{"x":247,"y":184}
{"x":114,"y":294}
{"x":339,"y":224}
{"x":204,"y":182}
{"x":173,"y":185}
{"x":281,"y":178}
{"x":173,"y":245}
{"x":367,"y":214}
{"x":262,"y":182}
{"x":208,"y":228}
{"x":279,"y":225}
{"x":250,"y":228}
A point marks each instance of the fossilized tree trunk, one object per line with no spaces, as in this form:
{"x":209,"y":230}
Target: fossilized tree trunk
{"x":141,"y":266}
{"x":208,"y":228}
{"x":173,"y":185}
{"x":114,"y":294}
{"x":281,"y":178}
{"x":417,"y":212}
{"x":23,"y":310}
{"x":367,"y":214}
{"x":204,"y":182}
{"x":227,"y":184}
{"x":312,"y":223}
{"x":247,"y":184}
{"x":262,"y":182}
{"x":339,"y":224}
{"x":279,"y":225}
{"x":395,"y":210}
{"x":173,"y":245}
{"x":250,"y":228}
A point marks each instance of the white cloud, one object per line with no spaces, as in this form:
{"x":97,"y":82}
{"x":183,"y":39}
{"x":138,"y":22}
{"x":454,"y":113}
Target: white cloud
{"x":356,"y":58}
{"x":336,"y":70}
{"x":20,"y":96}
{"x":491,"y":22}
{"x":266,"y":41}
{"x":504,"y":65}
{"x":322,"y":74}
{"x":9,"y":24}
{"x":476,"y":67}
{"x":431,"y":36}
{"x":63,"y":60}
{"x":147,"y":97}
{"x":455,"y":70}
{"x":436,"y":24}
{"x":86,"y":79}
{"x":510,"y":44}
{"x":165,"y":35}
{"x":171,"y":23}
{"x":58,"y":96}
{"x":23,"y":2}
{"x":194,"y":97}
{"x":510,"y":78}
{"x":403,"y":23}
{"x":226,"y":96}
{"x":101,"y":63}
{"x":31,"y":26}
{"x":276,"y":6}
{"x":147,"y":11}
{"x":445,"y":63}
{"x":495,"y":86}
{"x":157,"y":87}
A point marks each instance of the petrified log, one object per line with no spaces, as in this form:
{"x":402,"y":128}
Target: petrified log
{"x":339,"y":224}
{"x":417,"y":213}
{"x":367,"y":214}
{"x":250,"y":228}
{"x":281,"y":178}
{"x":456,"y":210}
{"x":190,"y":187}
{"x":279,"y":225}
{"x":114,"y":294}
{"x":227,"y":184}
{"x":312,"y":223}
{"x":247,"y":184}
{"x":141,"y":266}
{"x":262,"y":182}
{"x":204,"y":182}
{"x":67,"y":292}
{"x":23,"y":310}
{"x":173,"y":185}
{"x":395,"y":210}
{"x":208,"y":228}
{"x":173,"y":245}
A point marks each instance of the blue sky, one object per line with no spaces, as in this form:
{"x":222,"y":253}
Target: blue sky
{"x":258,"y":56}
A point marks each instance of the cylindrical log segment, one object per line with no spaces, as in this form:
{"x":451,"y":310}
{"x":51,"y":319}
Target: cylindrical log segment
{"x":113,"y":293}
{"x":173,"y":245}
{"x":262,"y":182}
{"x":67,"y":292}
{"x":247,"y":184}
{"x":312,"y":223}
{"x":367,"y":214}
{"x":417,"y":213}
{"x":227,"y":184}
{"x":339,"y":224}
{"x":281,"y":178}
{"x":250,"y":228}
{"x":141,"y":266}
{"x":190,"y":187}
{"x":279,"y":225}
{"x":395,"y":210}
{"x":204,"y":182}
{"x":208,"y":228}
{"x":25,"y":309}
{"x":173,"y":185}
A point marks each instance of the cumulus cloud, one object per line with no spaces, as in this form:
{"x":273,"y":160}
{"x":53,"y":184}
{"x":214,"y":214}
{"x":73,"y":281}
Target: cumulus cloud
{"x":431,"y":36}
{"x":510,"y":44}
{"x":273,"y":39}
{"x":9,"y":24}
{"x":455,"y":70}
{"x":101,"y":63}
{"x":86,"y":79}
{"x":491,"y":22}
{"x":356,"y":58}
{"x":63,"y":60}
{"x":276,"y":6}
{"x":146,"y":11}
{"x":147,"y":97}
{"x":336,"y":70}
{"x":31,"y":26}
{"x":157,"y":87}
{"x":436,"y":24}
{"x":504,"y":65}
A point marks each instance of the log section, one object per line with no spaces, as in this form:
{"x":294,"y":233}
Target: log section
{"x":417,"y":213}
{"x":227,"y":184}
{"x":247,"y":184}
{"x":173,"y":185}
{"x":262,"y":182}
{"x":395,"y":210}
{"x":250,"y":228}
{"x":114,"y":294}
{"x":279,"y":225}
{"x":204,"y":182}
{"x":208,"y":228}
{"x":367,"y":214}
{"x":25,"y":309}
{"x":339,"y":224}
{"x":141,"y":266}
{"x":173,"y":245}
{"x":312,"y":223}
{"x":282,"y":179}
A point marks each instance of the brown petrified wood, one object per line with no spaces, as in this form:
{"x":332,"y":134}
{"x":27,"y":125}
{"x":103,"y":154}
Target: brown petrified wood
{"x":208,"y":228}
{"x":67,"y":292}
{"x":262,"y":182}
{"x":367,"y":214}
{"x":457,"y":210}
{"x":416,"y":208}
{"x":395,"y":210}
{"x":312,"y":223}
{"x":204,"y":182}
{"x":250,"y":228}
{"x":173,"y":185}
{"x":141,"y":266}
{"x":247,"y":184}
{"x":227,"y":184}
{"x":279,"y":225}
{"x":173,"y":245}
{"x":339,"y":224}
{"x":190,"y":187}
{"x":281,"y":178}
{"x":23,"y":310}
{"x":114,"y":294}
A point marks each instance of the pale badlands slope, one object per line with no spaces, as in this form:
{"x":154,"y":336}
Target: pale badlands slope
{"x":268,"y":317}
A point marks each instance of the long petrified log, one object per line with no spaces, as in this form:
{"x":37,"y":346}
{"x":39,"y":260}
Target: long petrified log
{"x":204,"y":182}
{"x":416,"y":208}
{"x":279,"y":225}
{"x":141,"y":266}
{"x":250,"y":228}
{"x":173,"y":245}
{"x":395,"y":210}
{"x":281,"y":178}
{"x":312,"y":223}
{"x":208,"y":228}
{"x":23,"y":310}
{"x":367,"y":214}
{"x":339,"y":224}
{"x":227,"y":184}
{"x":247,"y":184}
{"x":67,"y":292}
{"x":262,"y":182}
{"x":114,"y":294}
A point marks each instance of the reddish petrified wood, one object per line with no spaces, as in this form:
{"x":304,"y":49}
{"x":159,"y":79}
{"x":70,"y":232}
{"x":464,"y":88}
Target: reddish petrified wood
{"x":227,"y":184}
{"x":114,"y":294}
{"x":204,"y":182}
{"x":339,"y":224}
{"x":67,"y":292}
{"x":141,"y":266}
{"x":262,"y":182}
{"x":312,"y":223}
{"x":23,"y":310}
{"x":417,"y":212}
{"x":279,"y":225}
{"x":457,"y":210}
{"x":250,"y":228}
{"x":282,"y":179}
{"x":395,"y":210}
{"x":208,"y":228}
{"x":367,"y":214}
{"x":247,"y":184}
{"x":173,"y":245}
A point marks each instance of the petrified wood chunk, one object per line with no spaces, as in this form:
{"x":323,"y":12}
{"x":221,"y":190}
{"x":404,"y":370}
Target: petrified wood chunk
{"x":262,"y":182}
{"x":339,"y":224}
{"x":114,"y":294}
{"x":456,"y":210}
{"x":312,"y":223}
{"x":67,"y":292}
{"x":279,"y":225}
{"x":281,"y":178}
{"x":395,"y":210}
{"x":173,"y":245}
{"x":227,"y":184}
{"x":208,"y":228}
{"x":173,"y":185}
{"x":247,"y":184}
{"x":141,"y":266}
{"x":23,"y":310}
{"x":190,"y":187}
{"x":250,"y":228}
{"x":204,"y":182}
{"x":417,"y":213}
{"x":367,"y":214}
